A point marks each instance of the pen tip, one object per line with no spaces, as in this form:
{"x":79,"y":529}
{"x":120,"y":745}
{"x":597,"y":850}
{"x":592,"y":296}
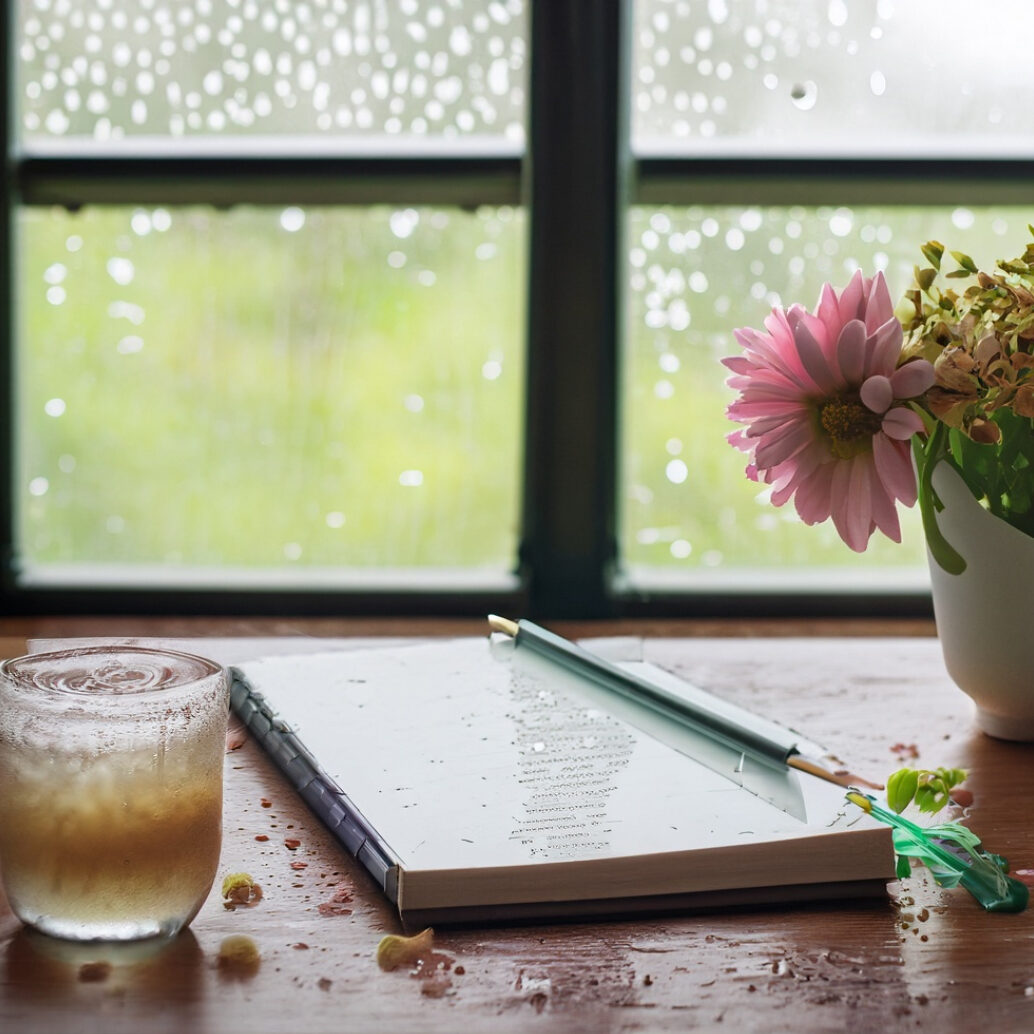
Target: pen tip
{"x":504,"y":625}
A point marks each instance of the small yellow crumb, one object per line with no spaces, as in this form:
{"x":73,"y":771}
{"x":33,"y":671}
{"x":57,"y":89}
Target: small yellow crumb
{"x":395,"y":951}
{"x":239,"y":954}
{"x":240,"y":889}
{"x":235,"y":880}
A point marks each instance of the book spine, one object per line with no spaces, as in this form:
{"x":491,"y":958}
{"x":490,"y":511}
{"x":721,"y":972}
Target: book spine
{"x":317,"y":789}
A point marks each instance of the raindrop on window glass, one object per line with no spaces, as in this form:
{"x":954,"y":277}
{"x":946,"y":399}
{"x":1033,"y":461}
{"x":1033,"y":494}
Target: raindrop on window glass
{"x":292,"y":219}
{"x":676,"y":471}
{"x":121,"y":270}
{"x":804,"y":95}
{"x":963,"y":218}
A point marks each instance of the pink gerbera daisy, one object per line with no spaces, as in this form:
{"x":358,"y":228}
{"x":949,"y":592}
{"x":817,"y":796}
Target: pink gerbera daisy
{"x":823,"y":400}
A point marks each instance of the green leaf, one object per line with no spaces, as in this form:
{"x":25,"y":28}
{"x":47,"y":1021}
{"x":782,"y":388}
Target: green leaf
{"x":965,"y":261}
{"x":934,"y":790}
{"x":1002,"y":474}
{"x":933,"y":251}
{"x":925,"y":278}
{"x":1014,"y":266}
{"x":901,"y":788}
{"x":932,"y":796}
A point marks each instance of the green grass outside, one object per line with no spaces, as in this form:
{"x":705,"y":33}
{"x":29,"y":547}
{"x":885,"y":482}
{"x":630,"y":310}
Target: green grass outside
{"x":285,"y":381}
{"x":283,"y":386}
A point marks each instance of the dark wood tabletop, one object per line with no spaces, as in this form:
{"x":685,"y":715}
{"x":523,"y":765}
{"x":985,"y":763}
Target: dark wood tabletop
{"x":874,"y":693}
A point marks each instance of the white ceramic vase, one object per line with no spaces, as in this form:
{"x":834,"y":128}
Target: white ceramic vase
{"x":984,"y":615}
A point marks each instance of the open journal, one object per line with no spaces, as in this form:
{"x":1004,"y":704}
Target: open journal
{"x":476,"y":783}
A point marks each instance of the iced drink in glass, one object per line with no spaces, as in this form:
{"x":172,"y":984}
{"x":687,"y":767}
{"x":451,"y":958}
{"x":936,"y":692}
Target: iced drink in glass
{"x":111,"y":775}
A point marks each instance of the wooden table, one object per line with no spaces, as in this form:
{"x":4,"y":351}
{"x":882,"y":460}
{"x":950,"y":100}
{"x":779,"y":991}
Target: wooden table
{"x":925,"y":958}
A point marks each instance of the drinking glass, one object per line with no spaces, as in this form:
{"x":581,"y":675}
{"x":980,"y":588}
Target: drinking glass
{"x":111,"y":776}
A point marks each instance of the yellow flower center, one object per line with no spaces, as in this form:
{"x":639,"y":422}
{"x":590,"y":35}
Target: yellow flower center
{"x":849,"y":425}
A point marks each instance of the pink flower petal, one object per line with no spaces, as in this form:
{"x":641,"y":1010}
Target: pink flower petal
{"x":884,"y":347}
{"x":738,"y":364}
{"x":893,"y":461}
{"x":912,"y":379}
{"x":748,"y":338}
{"x":877,"y":393}
{"x":901,"y":423}
{"x":880,"y":307}
{"x":828,"y":311}
{"x":748,"y":409}
{"x":779,"y":328}
{"x":814,"y":360}
{"x":763,"y":427}
{"x":851,"y":301}
{"x":783,"y":444}
{"x":816,"y":455}
{"x":840,"y":503}
{"x":782,"y":352}
{"x":851,"y":351}
{"x":776,"y":352}
{"x":782,"y":491}
{"x":884,"y":512}
{"x":813,"y":498}
{"x":826,"y":341}
{"x":766,"y":381}
{"x":859,"y":502}
{"x":760,"y":389}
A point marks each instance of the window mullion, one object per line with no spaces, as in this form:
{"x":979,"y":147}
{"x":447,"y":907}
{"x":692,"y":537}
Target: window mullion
{"x":688,"y":180}
{"x":573,"y":190}
{"x":7,"y":399}
{"x":74,"y":180}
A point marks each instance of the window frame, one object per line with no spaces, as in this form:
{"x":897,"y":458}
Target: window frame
{"x":576,"y":178}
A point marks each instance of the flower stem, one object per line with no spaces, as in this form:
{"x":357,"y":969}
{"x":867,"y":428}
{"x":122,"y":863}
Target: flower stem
{"x":927,"y":458}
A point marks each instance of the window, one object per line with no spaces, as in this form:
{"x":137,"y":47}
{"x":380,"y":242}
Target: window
{"x":269,"y":263}
{"x":357,"y":306}
{"x":782,"y":145}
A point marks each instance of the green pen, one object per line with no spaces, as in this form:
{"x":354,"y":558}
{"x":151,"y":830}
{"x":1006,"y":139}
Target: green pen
{"x":981,"y":873}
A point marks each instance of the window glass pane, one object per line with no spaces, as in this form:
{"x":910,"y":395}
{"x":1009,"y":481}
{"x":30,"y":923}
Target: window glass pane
{"x":829,"y":76}
{"x":269,"y":388}
{"x":90,"y":69}
{"x":694,"y":275}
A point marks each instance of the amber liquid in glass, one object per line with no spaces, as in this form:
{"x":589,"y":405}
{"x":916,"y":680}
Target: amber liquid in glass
{"x":118,"y":846}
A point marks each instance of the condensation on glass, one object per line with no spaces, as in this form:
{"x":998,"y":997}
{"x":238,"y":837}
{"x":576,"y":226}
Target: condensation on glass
{"x":811,"y":77}
{"x":269,"y":387}
{"x":107,"y":71}
{"x":695,"y":274}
